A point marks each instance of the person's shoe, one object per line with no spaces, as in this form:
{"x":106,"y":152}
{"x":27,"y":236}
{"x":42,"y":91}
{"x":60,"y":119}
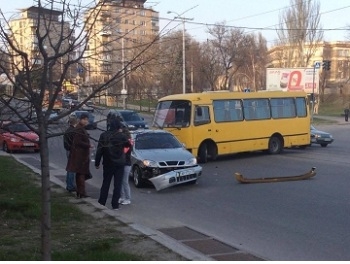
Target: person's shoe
{"x":72,"y":190}
{"x":82,"y":195}
{"x":101,"y":206}
{"x":125,"y":202}
{"x":120,"y":200}
{"x":116,"y":209}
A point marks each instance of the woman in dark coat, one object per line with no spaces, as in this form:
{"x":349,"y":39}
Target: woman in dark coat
{"x":79,"y":157}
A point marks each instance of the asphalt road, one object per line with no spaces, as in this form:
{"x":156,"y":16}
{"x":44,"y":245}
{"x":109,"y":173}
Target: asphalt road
{"x":301,"y":220}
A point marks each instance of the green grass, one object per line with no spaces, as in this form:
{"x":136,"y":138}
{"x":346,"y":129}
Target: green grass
{"x":75,"y":235}
{"x":333,"y":105}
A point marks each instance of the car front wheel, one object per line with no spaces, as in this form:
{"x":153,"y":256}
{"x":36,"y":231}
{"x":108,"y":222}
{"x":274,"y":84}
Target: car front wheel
{"x":5,"y":147}
{"x":137,"y":177}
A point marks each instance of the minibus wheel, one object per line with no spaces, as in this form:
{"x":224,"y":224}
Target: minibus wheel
{"x":275,"y":145}
{"x":203,"y":153}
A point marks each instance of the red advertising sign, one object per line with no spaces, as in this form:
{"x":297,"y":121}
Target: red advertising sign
{"x":292,"y":79}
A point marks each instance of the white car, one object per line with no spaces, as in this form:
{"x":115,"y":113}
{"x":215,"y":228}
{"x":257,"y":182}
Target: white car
{"x":158,"y":157}
{"x":88,"y":106}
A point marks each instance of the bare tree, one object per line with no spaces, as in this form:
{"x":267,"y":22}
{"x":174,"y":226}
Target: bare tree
{"x":60,"y":31}
{"x":210,"y":65}
{"x":300,"y":32}
{"x":230,"y":45}
{"x":254,"y":70}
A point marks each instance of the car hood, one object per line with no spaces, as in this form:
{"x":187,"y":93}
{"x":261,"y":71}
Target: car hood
{"x":175,"y":154}
{"x":319,"y":132}
{"x":26,"y":135}
{"x":136,"y":123}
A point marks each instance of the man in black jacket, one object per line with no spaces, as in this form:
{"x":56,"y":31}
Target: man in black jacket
{"x":67,"y":143}
{"x":111,"y":149}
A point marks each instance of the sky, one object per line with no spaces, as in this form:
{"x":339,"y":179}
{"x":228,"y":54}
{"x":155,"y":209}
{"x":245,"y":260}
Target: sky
{"x":252,"y":14}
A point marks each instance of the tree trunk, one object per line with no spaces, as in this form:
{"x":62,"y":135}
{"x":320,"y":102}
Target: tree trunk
{"x":45,"y":196}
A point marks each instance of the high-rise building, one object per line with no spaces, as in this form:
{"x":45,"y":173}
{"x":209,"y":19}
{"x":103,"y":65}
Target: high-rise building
{"x":31,"y":24}
{"x":117,"y":29}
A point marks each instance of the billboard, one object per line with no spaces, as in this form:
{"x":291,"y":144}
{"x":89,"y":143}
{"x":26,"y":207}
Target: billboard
{"x":292,"y":79}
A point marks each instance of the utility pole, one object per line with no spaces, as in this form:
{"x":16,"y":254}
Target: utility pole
{"x":184,"y":19}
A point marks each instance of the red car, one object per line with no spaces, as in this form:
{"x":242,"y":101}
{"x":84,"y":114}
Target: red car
{"x":17,"y":136}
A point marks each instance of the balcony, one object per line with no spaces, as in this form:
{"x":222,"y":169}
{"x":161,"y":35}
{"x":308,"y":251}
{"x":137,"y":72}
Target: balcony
{"x":36,"y":61}
{"x":34,"y":46}
{"x":105,"y":14}
{"x":106,"y":61}
{"x":105,"y":33}
{"x":33,"y":23}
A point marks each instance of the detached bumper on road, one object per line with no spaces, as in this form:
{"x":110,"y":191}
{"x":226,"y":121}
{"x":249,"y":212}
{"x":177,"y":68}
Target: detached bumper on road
{"x":176,"y":177}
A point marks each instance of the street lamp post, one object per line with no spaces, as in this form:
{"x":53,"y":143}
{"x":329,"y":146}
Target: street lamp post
{"x":316,"y":66}
{"x":124,"y":95}
{"x":183,"y":48}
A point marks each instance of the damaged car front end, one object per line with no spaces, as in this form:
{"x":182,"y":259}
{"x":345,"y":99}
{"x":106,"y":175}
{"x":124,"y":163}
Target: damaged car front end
{"x":158,"y":157}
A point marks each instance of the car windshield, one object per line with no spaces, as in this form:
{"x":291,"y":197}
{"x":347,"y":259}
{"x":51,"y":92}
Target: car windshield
{"x":15,"y":128}
{"x":131,"y":116}
{"x":156,"y":141}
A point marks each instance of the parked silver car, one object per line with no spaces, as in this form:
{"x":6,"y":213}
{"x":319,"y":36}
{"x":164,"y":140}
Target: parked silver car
{"x":158,"y":157}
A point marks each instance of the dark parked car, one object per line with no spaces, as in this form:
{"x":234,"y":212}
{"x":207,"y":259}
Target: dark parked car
{"x":66,"y":103}
{"x":158,"y":157}
{"x":74,"y":103}
{"x":320,"y":137}
{"x":92,"y":124}
{"x":130,"y":118}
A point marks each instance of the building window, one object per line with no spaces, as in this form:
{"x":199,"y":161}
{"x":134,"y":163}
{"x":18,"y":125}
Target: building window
{"x":142,"y":13}
{"x":143,"y":32}
{"x":142,"y":23}
{"x":126,"y":21}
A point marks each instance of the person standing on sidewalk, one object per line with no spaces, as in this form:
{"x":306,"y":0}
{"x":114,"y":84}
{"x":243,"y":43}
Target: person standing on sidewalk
{"x":79,"y":158}
{"x":67,"y":143}
{"x":110,"y":148}
{"x":346,"y":112}
{"x":125,"y":195}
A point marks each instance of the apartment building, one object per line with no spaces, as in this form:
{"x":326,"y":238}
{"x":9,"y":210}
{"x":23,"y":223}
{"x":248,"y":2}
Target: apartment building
{"x":118,"y":30}
{"x":24,"y":31}
{"x":337,"y":52}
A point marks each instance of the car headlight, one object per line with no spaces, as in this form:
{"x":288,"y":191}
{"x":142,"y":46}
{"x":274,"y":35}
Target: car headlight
{"x":37,"y":139}
{"x":317,"y":136}
{"x":131,"y":126}
{"x":149,"y":163}
{"x":15,"y":139}
{"x":146,"y":126}
{"x":191,"y":162}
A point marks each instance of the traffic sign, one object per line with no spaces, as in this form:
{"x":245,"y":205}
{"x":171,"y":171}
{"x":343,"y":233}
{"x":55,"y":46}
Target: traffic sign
{"x":317,"y":65}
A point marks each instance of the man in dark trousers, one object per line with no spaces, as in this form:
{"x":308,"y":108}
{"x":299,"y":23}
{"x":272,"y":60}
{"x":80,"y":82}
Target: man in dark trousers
{"x":111,"y":149}
{"x":346,"y":112}
{"x":67,"y":143}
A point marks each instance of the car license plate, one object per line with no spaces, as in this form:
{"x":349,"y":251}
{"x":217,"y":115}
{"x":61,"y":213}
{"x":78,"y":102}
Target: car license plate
{"x":184,"y":173}
{"x":28,"y":144}
{"x":327,"y":139}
